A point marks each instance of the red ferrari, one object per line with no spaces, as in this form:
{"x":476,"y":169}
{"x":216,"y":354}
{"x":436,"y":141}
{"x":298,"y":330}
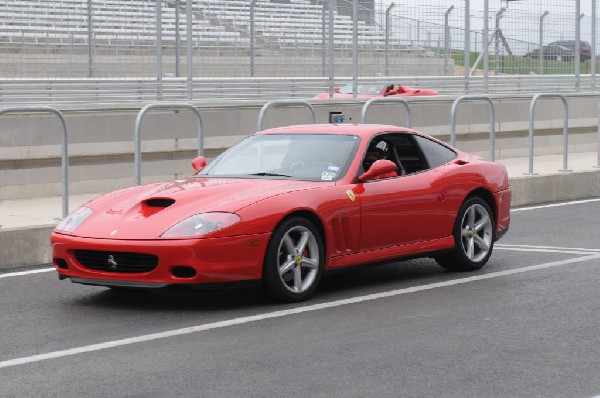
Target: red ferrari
{"x":374,"y":90}
{"x":284,"y":206}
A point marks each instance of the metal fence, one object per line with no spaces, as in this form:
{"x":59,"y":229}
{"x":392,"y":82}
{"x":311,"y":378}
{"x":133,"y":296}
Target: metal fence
{"x":156,"y":45}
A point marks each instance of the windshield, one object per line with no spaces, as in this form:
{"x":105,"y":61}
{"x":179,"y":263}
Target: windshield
{"x":372,"y":89}
{"x":314,"y":157}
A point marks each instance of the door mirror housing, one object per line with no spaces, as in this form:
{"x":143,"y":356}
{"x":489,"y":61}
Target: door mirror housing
{"x":199,"y":163}
{"x":382,"y":168}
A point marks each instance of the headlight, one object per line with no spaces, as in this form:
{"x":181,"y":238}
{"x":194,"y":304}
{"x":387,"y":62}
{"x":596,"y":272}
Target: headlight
{"x":201,"y":224}
{"x":73,"y":220}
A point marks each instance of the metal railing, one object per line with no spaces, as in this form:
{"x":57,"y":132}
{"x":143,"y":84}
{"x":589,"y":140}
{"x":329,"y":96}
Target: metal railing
{"x":138,"y":126}
{"x":64,"y":144}
{"x":565,"y":129}
{"x":402,"y":101}
{"x":271,"y":104}
{"x":454,"y":110}
{"x":136,"y":90}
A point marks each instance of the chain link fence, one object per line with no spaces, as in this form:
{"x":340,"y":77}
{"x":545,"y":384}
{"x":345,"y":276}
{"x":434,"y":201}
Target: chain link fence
{"x":403,"y":42}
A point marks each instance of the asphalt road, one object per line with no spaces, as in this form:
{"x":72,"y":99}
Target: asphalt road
{"x":524,"y":326}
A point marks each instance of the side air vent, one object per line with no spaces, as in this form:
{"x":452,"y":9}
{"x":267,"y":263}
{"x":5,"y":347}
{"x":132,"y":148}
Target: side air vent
{"x":159,"y":202}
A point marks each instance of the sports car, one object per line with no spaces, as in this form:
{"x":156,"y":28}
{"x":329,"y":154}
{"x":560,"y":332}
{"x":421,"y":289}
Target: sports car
{"x":286,"y":205}
{"x":374,"y":90}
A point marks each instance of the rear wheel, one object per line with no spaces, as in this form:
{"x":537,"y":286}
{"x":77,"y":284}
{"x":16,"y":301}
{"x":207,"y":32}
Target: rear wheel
{"x":294,"y":261}
{"x":473,"y":236}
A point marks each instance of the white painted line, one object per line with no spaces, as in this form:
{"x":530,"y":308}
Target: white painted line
{"x":33,"y":271}
{"x":283,"y":313}
{"x":575,"y":202}
{"x":579,"y":249}
{"x":522,"y":249}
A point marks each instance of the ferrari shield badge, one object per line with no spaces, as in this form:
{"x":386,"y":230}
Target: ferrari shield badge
{"x":351,"y":195}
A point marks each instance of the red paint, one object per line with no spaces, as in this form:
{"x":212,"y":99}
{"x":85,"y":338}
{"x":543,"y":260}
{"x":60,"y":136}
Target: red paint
{"x":363,"y":222}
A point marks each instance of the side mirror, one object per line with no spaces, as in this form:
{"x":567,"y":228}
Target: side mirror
{"x":336,"y":89}
{"x":199,"y":163}
{"x":379,"y":168}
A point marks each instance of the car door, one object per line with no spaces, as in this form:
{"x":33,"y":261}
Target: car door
{"x":409,"y":208}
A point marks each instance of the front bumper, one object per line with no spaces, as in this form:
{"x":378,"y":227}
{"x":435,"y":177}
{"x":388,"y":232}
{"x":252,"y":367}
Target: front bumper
{"x":206,"y":261}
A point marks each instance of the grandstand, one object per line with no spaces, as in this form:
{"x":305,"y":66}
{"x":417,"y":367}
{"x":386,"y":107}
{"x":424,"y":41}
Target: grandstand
{"x":49,"y":38}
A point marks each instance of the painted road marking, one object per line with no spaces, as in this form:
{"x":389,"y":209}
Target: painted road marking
{"x":34,"y":271}
{"x":575,"y":202}
{"x":283,"y":313}
{"x":546,"y":249}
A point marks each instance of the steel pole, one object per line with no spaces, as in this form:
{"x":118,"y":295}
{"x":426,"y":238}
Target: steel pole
{"x":467,"y":49}
{"x":330,"y":54}
{"x":252,"y":71}
{"x":323,"y":41}
{"x":90,"y":40}
{"x":387,"y":39}
{"x":593,"y":49}
{"x":354,"y":48}
{"x":541,"y":43}
{"x":485,"y":44}
{"x":159,"y":50}
{"x":447,"y":40}
{"x":578,"y":44}
{"x":177,"y":39}
{"x":497,"y":41}
{"x":190,"y":51}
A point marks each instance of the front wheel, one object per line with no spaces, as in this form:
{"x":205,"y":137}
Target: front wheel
{"x":294,"y":261}
{"x":473,"y":236}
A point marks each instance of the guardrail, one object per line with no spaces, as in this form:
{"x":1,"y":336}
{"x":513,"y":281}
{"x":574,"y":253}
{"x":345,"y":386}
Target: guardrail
{"x":454,"y":110}
{"x":138,"y":125}
{"x":565,"y":129}
{"x":123,"y":90}
{"x":372,"y":101}
{"x":64,"y":144}
{"x":271,"y":104}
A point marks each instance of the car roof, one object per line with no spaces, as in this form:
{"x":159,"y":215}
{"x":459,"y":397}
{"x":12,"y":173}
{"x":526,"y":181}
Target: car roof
{"x":361,"y":130}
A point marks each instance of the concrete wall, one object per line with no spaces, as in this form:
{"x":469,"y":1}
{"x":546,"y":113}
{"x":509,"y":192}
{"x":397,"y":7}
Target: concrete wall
{"x":101,"y":142}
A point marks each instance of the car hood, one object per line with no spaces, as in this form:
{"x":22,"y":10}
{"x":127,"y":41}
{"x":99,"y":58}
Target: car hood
{"x":145,"y":212}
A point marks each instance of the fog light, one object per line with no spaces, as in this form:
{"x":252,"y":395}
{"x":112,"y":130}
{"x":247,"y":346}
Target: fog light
{"x":60,"y":263}
{"x":183,"y":271}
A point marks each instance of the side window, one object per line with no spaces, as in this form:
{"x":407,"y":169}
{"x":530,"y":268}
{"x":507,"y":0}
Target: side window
{"x":435,"y":153}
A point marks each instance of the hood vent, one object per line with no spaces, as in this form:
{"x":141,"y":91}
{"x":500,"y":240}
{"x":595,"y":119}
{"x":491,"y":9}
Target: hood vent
{"x":159,"y":202}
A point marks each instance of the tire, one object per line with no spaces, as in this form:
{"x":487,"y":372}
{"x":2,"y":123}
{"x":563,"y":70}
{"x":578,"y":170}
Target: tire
{"x":474,"y":235}
{"x":294,"y":261}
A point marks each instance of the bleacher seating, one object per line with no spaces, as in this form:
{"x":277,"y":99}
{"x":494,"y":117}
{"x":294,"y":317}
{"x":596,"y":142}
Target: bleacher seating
{"x":66,"y":22}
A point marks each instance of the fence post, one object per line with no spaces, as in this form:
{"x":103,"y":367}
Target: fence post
{"x":190,"y":53}
{"x":330,"y":48}
{"x":447,"y":40}
{"x":541,"y":44}
{"x":354,"y":48}
{"x":138,"y":126}
{"x":467,"y":49}
{"x":252,"y":4}
{"x":593,"y":49}
{"x":387,"y":38}
{"x":159,"y":49}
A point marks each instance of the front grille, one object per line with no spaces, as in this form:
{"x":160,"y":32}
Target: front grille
{"x":116,"y":261}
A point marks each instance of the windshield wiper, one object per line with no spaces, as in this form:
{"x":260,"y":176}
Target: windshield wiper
{"x":266,"y":174}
